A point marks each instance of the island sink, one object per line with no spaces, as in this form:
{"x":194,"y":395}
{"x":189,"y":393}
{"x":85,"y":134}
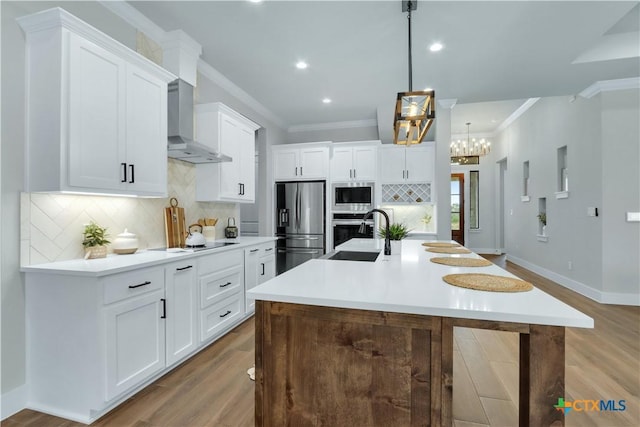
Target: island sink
{"x":355,"y":256}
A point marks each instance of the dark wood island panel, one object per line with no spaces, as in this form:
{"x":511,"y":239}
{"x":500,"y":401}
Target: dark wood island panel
{"x":325,"y":366}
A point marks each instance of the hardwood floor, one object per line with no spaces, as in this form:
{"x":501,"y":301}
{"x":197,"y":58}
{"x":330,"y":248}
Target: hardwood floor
{"x":213,"y":389}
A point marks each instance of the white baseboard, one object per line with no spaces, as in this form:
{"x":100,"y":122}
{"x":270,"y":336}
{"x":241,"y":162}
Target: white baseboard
{"x":491,"y":251}
{"x":13,"y":401}
{"x":595,"y":294}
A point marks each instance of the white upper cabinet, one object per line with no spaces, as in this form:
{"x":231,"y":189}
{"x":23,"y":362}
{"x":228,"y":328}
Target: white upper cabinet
{"x":294,"y":162}
{"x":231,"y":134}
{"x":354,"y":162}
{"x":96,"y":111}
{"x":399,"y":164}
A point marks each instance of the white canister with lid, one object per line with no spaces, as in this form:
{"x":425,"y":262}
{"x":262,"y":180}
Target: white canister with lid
{"x":209,"y":232}
{"x":125,"y":243}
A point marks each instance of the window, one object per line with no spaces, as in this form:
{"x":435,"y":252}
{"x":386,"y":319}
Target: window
{"x":474,"y":199}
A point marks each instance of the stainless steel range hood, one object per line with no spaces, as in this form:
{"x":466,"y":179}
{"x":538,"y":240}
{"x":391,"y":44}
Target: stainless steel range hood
{"x":180,"y":128}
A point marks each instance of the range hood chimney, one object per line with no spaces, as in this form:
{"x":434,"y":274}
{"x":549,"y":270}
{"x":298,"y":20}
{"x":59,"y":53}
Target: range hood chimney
{"x":180,"y":128}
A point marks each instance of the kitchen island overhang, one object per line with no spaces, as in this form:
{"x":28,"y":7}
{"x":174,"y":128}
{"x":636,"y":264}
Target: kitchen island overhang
{"x":341,"y":342}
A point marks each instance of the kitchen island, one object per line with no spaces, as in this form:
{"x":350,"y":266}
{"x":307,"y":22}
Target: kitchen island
{"x":371,"y":343}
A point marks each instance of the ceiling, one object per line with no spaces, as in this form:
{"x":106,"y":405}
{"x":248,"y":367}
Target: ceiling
{"x":504,"y":51}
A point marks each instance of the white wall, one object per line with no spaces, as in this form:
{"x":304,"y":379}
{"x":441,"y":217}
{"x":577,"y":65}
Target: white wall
{"x":598,"y":132}
{"x":621,"y":191}
{"x":335,"y":135}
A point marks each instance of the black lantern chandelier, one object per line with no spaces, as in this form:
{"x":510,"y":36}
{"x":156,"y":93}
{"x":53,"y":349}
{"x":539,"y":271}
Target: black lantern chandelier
{"x":415,"y":111}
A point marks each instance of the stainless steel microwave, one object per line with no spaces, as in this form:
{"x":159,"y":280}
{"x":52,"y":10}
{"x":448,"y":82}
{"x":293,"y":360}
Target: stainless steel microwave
{"x":353,"y":196}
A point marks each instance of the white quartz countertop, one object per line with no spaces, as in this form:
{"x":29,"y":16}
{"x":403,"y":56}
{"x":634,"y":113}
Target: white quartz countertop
{"x":410,"y":283}
{"x":142,"y":258}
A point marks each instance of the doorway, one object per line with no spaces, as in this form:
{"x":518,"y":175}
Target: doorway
{"x":457,"y":207}
{"x":501,"y":166}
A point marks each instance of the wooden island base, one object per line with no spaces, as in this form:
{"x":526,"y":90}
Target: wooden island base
{"x":323,"y":366}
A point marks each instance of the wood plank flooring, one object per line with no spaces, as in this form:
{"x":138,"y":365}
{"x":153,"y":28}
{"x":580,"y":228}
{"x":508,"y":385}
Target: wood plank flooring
{"x":213,"y":389}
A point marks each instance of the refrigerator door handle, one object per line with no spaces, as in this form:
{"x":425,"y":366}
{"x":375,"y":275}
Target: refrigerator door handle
{"x":297,"y":207}
{"x":299,"y":251}
{"x":297,"y":238}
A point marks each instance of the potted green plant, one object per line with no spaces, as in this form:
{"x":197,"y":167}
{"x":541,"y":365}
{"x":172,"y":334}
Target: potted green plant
{"x":397,"y":232}
{"x":95,"y":241}
{"x":542,"y":217}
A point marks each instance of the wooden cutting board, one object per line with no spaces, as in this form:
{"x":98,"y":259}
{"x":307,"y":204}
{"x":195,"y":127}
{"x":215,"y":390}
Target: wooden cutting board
{"x":174,"y":225}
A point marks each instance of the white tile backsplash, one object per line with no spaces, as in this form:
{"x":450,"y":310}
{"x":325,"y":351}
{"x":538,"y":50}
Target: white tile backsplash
{"x":412,"y":216}
{"x":52,"y":224}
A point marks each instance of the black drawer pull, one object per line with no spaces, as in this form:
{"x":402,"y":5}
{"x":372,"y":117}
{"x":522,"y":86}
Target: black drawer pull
{"x":254,"y":250}
{"x":225,"y":285}
{"x":262,"y":263}
{"x":164,"y":308}
{"x":184,"y":268}
{"x":124,"y":170}
{"x":226,"y":314}
{"x":141,"y":284}
{"x":268,"y":249}
{"x":133,"y":175}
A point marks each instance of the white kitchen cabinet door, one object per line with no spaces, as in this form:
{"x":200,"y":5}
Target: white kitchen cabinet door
{"x":267,"y":267}
{"x":342,"y":164}
{"x":251,"y":274}
{"x":365,"y":163}
{"x":181,"y":290}
{"x":146,"y":158}
{"x":233,"y":135}
{"x":392,"y":165}
{"x":285,"y":164}
{"x":419,"y":164}
{"x":135,"y":341}
{"x":314,"y":162}
{"x":97,"y":114}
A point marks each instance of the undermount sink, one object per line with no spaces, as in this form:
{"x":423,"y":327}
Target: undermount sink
{"x":354,"y":256}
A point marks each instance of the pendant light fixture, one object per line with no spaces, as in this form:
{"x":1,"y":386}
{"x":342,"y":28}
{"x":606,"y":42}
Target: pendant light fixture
{"x":415,"y":111}
{"x":470,"y":147}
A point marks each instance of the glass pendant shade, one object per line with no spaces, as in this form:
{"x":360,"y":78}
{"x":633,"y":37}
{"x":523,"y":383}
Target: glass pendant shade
{"x":414,"y":114}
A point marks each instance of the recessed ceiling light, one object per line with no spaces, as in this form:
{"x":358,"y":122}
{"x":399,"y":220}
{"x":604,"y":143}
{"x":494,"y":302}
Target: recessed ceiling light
{"x":301,"y":65}
{"x":436,"y":47}
{"x":326,"y":100}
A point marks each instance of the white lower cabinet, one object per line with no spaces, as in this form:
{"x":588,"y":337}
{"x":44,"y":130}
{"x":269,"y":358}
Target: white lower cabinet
{"x":181,"y":310}
{"x":259,"y":266}
{"x":221,"y":279}
{"x":135,"y":336}
{"x":94,"y":341}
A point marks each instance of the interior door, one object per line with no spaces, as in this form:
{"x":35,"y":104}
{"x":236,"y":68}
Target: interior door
{"x":457,"y":207}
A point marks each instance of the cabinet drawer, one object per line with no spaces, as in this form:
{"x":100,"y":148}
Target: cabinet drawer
{"x":217,"y":317}
{"x":221,"y":261}
{"x":215,"y":287}
{"x":124,"y":285}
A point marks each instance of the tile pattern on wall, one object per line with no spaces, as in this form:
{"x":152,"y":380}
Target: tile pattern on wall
{"x":406,"y":193}
{"x":52,"y":224}
{"x":413,"y":216}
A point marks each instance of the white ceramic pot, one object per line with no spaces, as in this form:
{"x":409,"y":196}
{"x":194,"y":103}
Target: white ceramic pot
{"x":125,"y":243}
{"x":396,"y":247}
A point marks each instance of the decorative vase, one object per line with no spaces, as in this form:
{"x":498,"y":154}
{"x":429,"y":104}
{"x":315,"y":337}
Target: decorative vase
{"x":544,"y":230}
{"x":93,"y":252}
{"x":396,"y":247}
{"x":125,"y":243}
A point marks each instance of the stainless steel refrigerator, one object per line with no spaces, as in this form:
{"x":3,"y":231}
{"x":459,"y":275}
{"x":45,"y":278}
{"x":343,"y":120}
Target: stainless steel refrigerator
{"x":300,"y":223}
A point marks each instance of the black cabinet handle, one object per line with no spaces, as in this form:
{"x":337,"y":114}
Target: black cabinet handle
{"x":242,"y":188}
{"x":226,"y":314}
{"x":133,"y":176}
{"x":403,"y":174}
{"x":262,"y":263}
{"x":164,"y":308}
{"x":141,"y":284}
{"x":184,"y":268}
{"x":407,"y":173}
{"x":225,"y":285}
{"x":301,"y":171}
{"x":124,"y":172}
{"x":296,"y":171}
{"x":354,"y":174}
{"x":268,"y":249}
{"x":239,"y":189}
{"x":254,"y":250}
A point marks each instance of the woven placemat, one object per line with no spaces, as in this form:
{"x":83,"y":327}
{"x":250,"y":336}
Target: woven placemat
{"x":462,"y":262}
{"x":488,"y":282}
{"x":441,"y":244}
{"x":448,"y":250}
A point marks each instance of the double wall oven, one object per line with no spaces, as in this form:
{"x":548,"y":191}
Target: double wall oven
{"x":350,"y":202}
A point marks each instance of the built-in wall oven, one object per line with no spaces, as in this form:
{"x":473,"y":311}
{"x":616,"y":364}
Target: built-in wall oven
{"x":352,"y":196}
{"x":346,"y":226}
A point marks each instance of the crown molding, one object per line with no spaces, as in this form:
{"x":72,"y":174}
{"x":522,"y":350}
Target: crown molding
{"x":610,"y":85}
{"x":514,"y":116}
{"x":448,"y":103}
{"x":136,"y":19}
{"x":334,"y":125}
